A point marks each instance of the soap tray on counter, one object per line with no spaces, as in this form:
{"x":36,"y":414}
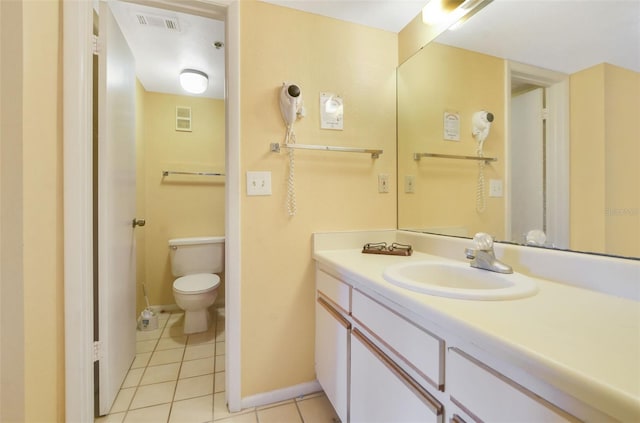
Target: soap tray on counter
{"x":394,"y":249}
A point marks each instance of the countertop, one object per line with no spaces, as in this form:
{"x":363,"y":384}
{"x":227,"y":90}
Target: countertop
{"x":583,"y":342}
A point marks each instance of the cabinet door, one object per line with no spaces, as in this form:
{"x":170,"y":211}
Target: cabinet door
{"x":486,"y":395}
{"x":382,"y":392}
{"x":332,"y":355}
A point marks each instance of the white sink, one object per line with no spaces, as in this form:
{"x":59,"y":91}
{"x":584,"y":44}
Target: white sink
{"x":459,"y":281}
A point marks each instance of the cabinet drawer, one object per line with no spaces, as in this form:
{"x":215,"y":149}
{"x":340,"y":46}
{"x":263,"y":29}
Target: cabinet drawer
{"x":418,"y":349}
{"x":486,"y":395}
{"x":335,"y":290}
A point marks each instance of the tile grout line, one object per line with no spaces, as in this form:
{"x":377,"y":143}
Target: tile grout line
{"x":126,"y":411}
{"x":175,"y":388}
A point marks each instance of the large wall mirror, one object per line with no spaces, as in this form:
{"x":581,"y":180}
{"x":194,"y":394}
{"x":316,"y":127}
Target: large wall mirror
{"x":559,"y":166}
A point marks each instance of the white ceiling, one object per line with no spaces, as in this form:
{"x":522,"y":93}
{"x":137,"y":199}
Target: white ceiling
{"x":546,"y":33}
{"x":161,"y":53}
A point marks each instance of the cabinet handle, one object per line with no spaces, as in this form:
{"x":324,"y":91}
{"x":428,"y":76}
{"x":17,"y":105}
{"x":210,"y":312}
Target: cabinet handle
{"x":456,"y":419}
{"x":418,"y":390}
{"x":332,"y":311}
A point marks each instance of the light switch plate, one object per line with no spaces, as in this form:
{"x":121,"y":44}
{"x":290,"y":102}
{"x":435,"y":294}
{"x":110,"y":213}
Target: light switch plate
{"x":383,"y":183}
{"x":495,"y":188}
{"x":258,"y":183}
{"x":409,"y":183}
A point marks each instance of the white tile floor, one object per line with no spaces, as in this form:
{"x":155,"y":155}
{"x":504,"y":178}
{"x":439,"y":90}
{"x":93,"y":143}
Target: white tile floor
{"x":180,"y":379}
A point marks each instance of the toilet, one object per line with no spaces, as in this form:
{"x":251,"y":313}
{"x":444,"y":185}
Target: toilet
{"x":195,"y":262}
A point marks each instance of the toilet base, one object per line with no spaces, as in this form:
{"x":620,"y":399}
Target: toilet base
{"x":196,"y":321}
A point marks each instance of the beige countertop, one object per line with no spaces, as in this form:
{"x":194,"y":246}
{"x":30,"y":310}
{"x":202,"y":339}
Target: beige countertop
{"x":583,"y":342}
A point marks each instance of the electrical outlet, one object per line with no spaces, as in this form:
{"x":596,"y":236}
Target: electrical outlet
{"x":258,"y":183}
{"x":409,"y":183}
{"x":495,"y":188}
{"x":383,"y":183}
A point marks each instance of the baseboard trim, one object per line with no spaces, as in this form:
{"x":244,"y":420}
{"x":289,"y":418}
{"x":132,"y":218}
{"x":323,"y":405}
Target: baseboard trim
{"x":280,"y":394}
{"x":166,"y":308}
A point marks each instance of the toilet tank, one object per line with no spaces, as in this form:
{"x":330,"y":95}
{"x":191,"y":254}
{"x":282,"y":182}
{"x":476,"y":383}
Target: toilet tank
{"x":196,"y":255}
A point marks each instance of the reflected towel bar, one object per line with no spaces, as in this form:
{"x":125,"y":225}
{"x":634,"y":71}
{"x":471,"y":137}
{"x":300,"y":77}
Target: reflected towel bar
{"x":275,"y":147}
{"x":418,"y":156}
{"x":175,"y":172}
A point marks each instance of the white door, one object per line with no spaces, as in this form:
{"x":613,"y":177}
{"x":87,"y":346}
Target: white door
{"x":527,"y":164}
{"x":116,"y":208}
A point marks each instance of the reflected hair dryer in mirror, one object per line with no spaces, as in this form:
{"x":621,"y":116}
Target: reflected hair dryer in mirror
{"x":481,"y":122}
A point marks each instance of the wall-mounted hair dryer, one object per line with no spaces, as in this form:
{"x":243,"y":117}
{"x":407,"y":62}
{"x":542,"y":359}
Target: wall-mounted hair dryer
{"x":481,"y":122}
{"x":291,"y":103}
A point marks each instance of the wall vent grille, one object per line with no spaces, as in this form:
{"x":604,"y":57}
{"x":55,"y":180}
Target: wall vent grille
{"x":183,"y":119}
{"x":170,"y":24}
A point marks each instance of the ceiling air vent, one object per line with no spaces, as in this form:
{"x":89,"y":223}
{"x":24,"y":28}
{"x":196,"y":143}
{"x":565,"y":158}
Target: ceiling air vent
{"x":170,"y":24}
{"x":183,"y":119}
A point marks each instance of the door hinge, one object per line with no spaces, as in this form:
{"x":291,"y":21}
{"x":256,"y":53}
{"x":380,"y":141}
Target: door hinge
{"x":97,"y":351}
{"x":545,"y":114}
{"x":95,"y":44}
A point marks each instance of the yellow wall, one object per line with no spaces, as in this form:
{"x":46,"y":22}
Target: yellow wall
{"x":437,"y":79}
{"x":622,"y":159}
{"x":415,"y":35}
{"x":12,"y":305}
{"x":38,"y":388}
{"x":335,"y":191}
{"x":178,"y":206}
{"x":605,"y":195}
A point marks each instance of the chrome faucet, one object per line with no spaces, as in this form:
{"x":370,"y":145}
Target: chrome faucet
{"x":483,"y":256}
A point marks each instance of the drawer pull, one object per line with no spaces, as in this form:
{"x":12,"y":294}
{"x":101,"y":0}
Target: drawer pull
{"x":456,"y":419}
{"x":333,"y":312}
{"x":418,"y":390}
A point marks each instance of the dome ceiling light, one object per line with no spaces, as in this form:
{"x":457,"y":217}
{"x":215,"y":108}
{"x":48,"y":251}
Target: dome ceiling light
{"x":194,"y":81}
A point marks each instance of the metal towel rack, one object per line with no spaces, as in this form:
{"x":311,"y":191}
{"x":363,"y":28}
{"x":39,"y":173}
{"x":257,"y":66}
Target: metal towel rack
{"x":375,"y":153}
{"x":176,"y":172}
{"x":418,"y":156}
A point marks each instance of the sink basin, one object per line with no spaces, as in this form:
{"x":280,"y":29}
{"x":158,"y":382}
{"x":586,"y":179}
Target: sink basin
{"x":459,"y":281}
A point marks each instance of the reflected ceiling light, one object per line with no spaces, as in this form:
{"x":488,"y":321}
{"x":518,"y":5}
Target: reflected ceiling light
{"x":438,"y":11}
{"x":447,"y":12}
{"x":194,"y":81}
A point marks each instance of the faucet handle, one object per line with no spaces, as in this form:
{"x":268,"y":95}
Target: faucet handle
{"x":483,"y":241}
{"x":470,"y":253}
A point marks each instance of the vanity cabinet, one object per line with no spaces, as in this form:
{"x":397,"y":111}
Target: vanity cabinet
{"x":332,"y":340}
{"x":377,"y":364}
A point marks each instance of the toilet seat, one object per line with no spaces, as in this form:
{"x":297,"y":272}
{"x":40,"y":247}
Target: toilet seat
{"x":196,"y":284}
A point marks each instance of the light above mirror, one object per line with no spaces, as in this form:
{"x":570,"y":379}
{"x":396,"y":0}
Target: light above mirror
{"x":443,"y":14}
{"x":437,"y":11}
{"x":194,"y":81}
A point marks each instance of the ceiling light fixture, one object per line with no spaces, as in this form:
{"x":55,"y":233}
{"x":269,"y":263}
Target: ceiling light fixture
{"x":444,"y":13}
{"x":438,"y":11}
{"x":194,"y":81}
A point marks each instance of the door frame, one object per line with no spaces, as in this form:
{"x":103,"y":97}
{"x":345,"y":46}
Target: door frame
{"x":558,"y":147}
{"x":78,"y":199}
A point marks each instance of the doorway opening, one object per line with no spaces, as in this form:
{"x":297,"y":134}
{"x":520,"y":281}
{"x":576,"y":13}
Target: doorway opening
{"x":80,"y":349}
{"x":537,"y":147}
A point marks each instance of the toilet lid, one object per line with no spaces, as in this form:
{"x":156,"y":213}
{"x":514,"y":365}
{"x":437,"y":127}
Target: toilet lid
{"x":196,"y":284}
